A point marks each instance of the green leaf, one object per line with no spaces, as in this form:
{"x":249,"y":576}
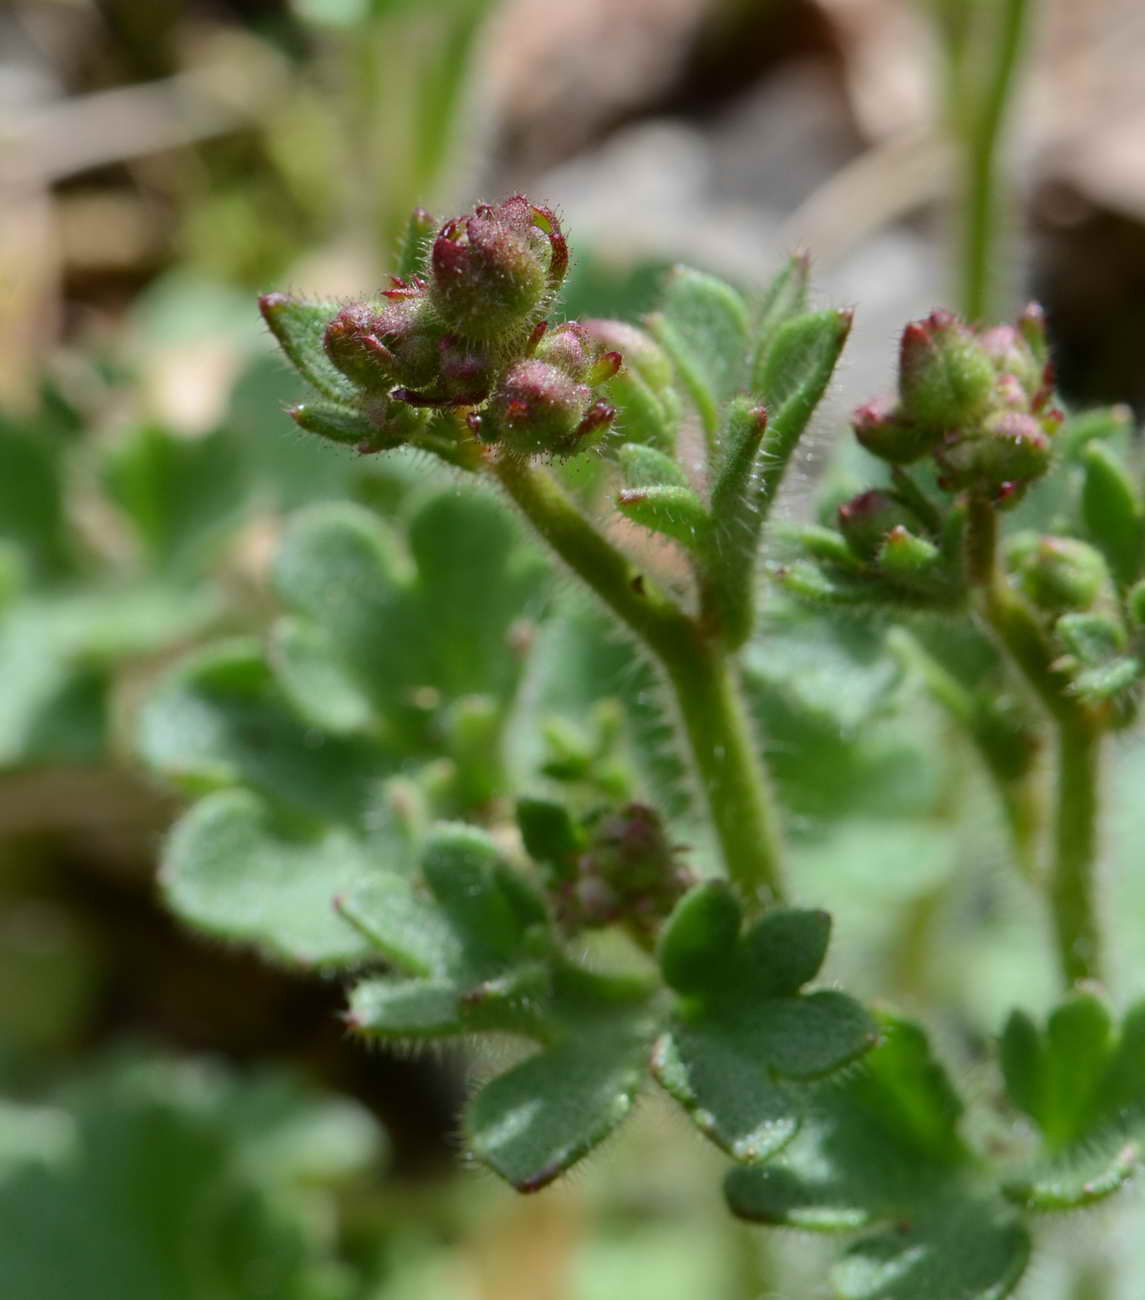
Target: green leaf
{"x":703,"y":326}
{"x":645,"y":467}
{"x":307,"y":664}
{"x":229,"y":870}
{"x":737,"y":519}
{"x":1113,"y":511}
{"x":416,"y":240}
{"x":675,"y":512}
{"x":535,"y":1121}
{"x":31,"y":495}
{"x":1082,"y":1082}
{"x":741,"y":1021}
{"x":220,"y":718}
{"x":402,"y":924}
{"x":783,"y":299}
{"x":300,"y":328}
{"x":184,"y":496}
{"x":403,"y":1008}
{"x":334,"y":422}
{"x":549,"y":833}
{"x":879,"y":1146}
{"x":175,"y":1181}
{"x":796,"y":372}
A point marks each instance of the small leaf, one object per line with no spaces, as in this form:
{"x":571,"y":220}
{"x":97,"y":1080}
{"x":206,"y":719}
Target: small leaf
{"x":300,"y":328}
{"x":676,"y":512}
{"x":549,"y":833}
{"x":534,"y":1122}
{"x":402,"y":924}
{"x":644,"y":466}
{"x":333,"y":421}
{"x":784,"y":298}
{"x":699,"y":939}
{"x":414,"y":252}
{"x":310,"y":670}
{"x":423,"y":1008}
{"x":798,"y":369}
{"x":1113,"y":511}
{"x":227,"y":869}
{"x":703,"y":326}
{"x":784,"y":949}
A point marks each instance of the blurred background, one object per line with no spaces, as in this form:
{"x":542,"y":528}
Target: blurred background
{"x":163,"y":162}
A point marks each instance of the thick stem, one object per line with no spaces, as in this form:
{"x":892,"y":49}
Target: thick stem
{"x":1072,"y":885}
{"x":981,"y":130}
{"x":1072,"y":882}
{"x":735,"y":786}
{"x":703,"y":680}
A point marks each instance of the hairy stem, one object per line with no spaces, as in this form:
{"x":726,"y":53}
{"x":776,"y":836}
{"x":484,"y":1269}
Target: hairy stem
{"x":981,"y":129}
{"x":1072,"y":882}
{"x":702,"y":678}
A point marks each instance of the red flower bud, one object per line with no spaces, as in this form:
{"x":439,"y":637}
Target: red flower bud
{"x":492,"y":270}
{"x":882,"y":430}
{"x":945,"y":377}
{"x":538,"y":409}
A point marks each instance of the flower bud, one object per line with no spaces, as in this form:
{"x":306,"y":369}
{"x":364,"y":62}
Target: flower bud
{"x":492,"y":270}
{"x":945,"y":377}
{"x":1008,"y":452}
{"x":882,"y":430}
{"x":571,"y":348}
{"x":1058,"y":573}
{"x":378,"y":349}
{"x":642,"y":355}
{"x":628,"y":872}
{"x":1011,"y":356}
{"x":538,"y":409}
{"x":867,"y":520}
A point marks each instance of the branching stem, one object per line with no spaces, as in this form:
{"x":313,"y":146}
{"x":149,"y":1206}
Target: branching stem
{"x":1072,"y":882}
{"x":702,"y":677}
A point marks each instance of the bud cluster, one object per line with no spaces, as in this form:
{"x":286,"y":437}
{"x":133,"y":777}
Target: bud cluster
{"x":627,"y":872}
{"x":467,"y":332}
{"x":978,"y":401}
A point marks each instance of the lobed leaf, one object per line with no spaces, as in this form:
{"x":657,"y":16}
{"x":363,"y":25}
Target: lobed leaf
{"x":299,"y":327}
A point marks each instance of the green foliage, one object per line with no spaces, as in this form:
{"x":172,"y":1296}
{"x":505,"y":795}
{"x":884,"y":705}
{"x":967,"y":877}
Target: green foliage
{"x":424,"y":680}
{"x":152,"y":1178}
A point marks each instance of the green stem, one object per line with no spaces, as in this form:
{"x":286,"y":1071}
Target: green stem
{"x":1072,"y":884}
{"x":702,"y":678}
{"x":981,"y":131}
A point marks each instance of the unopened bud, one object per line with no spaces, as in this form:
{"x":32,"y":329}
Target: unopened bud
{"x":882,"y":430}
{"x":867,"y":520}
{"x":945,"y":378}
{"x":538,"y":409}
{"x":1012,"y":356}
{"x":1008,"y":452}
{"x":492,"y":270}
{"x":1058,"y":573}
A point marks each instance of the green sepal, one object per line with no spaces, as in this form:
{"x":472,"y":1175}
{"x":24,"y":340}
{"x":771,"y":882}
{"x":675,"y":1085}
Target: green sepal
{"x":703,"y":326}
{"x":1113,"y":511}
{"x":673,"y":511}
{"x":798,"y":368}
{"x":300,"y":327}
{"x":644,"y":466}
{"x":784,"y":298}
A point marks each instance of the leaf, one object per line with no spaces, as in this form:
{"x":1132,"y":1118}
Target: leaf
{"x":182,"y":495}
{"x":794,"y":376}
{"x":879,"y":1146}
{"x":1082,"y":1082}
{"x":535,"y":1121}
{"x":221,"y":719}
{"x":31,"y":495}
{"x":644,"y":467}
{"x":784,"y":298}
{"x":675,"y":512}
{"x":703,"y":326}
{"x":229,"y":870}
{"x":300,"y":328}
{"x":177,"y":1181}
{"x":334,"y":422}
{"x":741,"y":1022}
{"x":1113,"y":511}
